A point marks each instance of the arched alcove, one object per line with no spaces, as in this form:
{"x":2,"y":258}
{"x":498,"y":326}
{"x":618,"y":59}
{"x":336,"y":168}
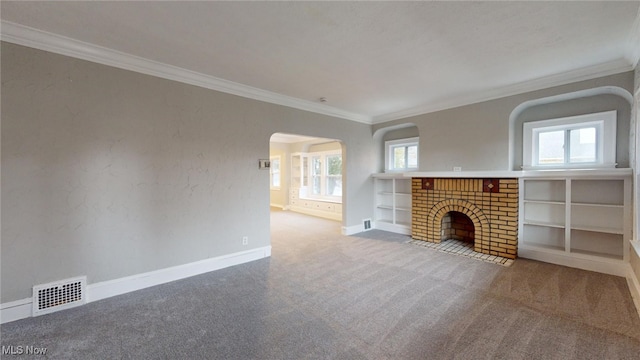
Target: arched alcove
{"x":395,"y":132}
{"x":581,"y":102}
{"x":318,"y":193}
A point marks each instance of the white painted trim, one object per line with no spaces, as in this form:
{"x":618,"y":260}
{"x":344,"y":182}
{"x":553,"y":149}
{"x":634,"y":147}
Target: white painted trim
{"x":634,"y":288}
{"x":42,"y":40}
{"x":551,"y":173}
{"x":389,"y":175}
{"x":319,"y":213}
{"x":603,"y":90}
{"x":394,"y":228}
{"x":21,"y":309}
{"x":633,"y":42}
{"x":388,"y":159}
{"x":586,"y":73}
{"x":106,"y":289}
{"x":15,"y":310}
{"x":605,"y":124}
{"x":354,"y":229}
{"x":278,"y":206}
{"x":618,"y":268}
{"x":632,"y":279}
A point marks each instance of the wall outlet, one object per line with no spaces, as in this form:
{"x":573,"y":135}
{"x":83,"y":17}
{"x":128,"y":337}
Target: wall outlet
{"x":245,"y":240}
{"x":457,"y":168}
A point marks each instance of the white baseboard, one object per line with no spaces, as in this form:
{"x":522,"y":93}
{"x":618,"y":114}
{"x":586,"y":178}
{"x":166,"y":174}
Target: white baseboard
{"x":613,"y":267}
{"x":15,"y":310}
{"x":398,"y":229}
{"x":354,"y":229}
{"x":632,"y":278}
{"x":21,"y":309}
{"x":634,"y":288}
{"x":318,"y":213}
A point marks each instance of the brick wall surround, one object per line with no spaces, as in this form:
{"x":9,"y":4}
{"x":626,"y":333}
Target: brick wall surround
{"x":490,"y":204}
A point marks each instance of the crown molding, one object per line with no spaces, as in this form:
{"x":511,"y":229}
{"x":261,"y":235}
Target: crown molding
{"x":586,"y":73}
{"x":633,"y":42}
{"x":42,"y":40}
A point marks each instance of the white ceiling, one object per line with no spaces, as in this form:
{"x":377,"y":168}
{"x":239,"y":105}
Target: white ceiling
{"x":372,"y":61}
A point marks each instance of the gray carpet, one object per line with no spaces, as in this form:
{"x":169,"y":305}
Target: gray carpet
{"x":326,"y":296}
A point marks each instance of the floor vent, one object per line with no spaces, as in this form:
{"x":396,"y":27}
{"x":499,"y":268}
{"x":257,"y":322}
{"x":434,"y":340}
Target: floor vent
{"x":366,"y":224}
{"x":59,"y":295}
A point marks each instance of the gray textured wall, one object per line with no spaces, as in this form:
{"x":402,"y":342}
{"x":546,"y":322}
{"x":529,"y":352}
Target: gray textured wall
{"x":110,"y":173}
{"x":476,"y":136}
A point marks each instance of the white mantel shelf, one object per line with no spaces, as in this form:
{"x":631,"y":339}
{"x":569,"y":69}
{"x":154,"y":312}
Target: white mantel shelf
{"x":564,"y":173}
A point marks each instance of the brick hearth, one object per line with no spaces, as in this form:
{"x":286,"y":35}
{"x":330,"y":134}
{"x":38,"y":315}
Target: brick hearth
{"x":490,"y":204}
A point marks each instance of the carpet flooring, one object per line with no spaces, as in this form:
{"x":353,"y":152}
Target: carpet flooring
{"x":372,"y":296}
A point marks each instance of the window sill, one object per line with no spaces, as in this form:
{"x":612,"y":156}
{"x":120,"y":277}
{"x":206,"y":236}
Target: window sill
{"x":321,"y":200}
{"x":571,"y":167}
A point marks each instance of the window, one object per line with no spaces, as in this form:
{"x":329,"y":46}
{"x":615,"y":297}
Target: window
{"x":316,"y":175}
{"x":325,"y":176}
{"x":275,"y":172}
{"x":401,"y":155}
{"x":584,"y":141}
{"x":334,"y":175}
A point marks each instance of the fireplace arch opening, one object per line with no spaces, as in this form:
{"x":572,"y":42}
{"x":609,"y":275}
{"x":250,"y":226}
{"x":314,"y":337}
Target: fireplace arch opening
{"x":457,"y":226}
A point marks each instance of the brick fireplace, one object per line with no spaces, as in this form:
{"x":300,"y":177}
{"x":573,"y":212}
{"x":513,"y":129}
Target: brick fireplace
{"x":482,"y":211}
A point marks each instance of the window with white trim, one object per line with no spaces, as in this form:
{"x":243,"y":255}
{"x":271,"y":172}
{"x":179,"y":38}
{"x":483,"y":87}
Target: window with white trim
{"x":325,"y":176}
{"x":401,"y":155}
{"x":275,"y":172}
{"x":584,"y":141}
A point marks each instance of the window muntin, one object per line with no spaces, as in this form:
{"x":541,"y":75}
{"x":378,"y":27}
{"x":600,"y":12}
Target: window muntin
{"x":584,"y":141}
{"x":325,"y":176}
{"x":334,"y":175}
{"x":401,"y":155}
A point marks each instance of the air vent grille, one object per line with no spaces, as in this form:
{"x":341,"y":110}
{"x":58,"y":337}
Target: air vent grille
{"x":367,"y":224}
{"x":59,"y":295}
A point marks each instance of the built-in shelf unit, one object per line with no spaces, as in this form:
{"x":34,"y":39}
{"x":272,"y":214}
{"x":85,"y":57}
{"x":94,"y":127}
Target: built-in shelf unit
{"x":392,"y":194}
{"x":298,"y":200}
{"x":299,"y":166}
{"x":580,"y":219}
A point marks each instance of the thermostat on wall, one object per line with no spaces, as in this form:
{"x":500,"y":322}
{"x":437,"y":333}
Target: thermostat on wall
{"x":264,"y":164}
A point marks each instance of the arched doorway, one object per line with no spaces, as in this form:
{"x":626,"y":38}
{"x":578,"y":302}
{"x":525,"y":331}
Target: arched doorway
{"x":306,"y":175}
